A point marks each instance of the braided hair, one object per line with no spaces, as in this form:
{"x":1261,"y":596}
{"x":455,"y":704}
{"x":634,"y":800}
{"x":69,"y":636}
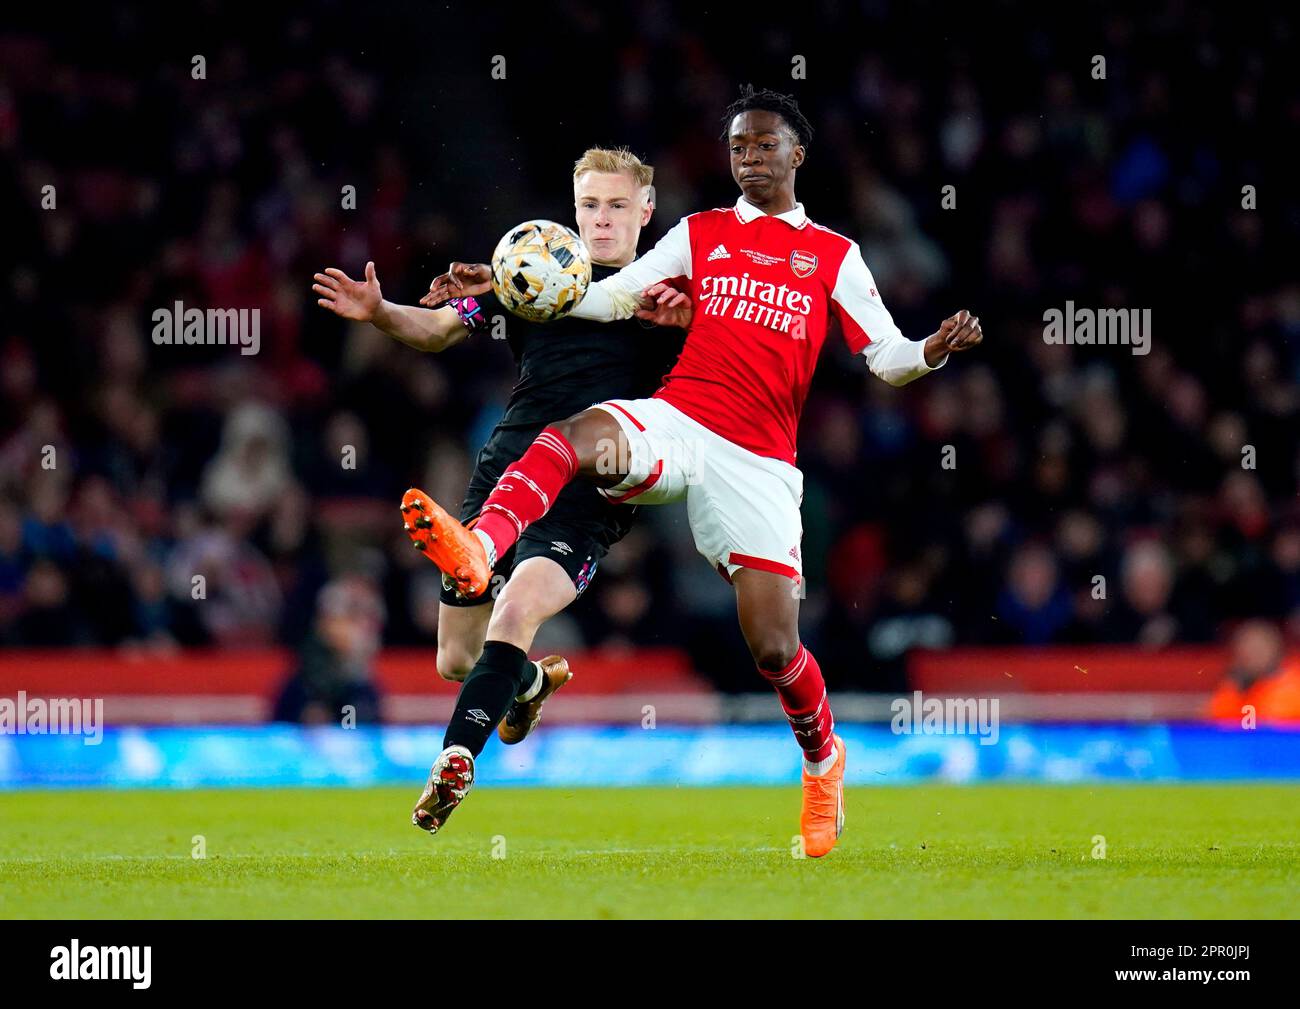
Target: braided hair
{"x":752,"y":99}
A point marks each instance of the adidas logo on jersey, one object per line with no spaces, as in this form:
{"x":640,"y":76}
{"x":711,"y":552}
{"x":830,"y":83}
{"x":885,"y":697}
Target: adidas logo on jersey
{"x":719,"y":253}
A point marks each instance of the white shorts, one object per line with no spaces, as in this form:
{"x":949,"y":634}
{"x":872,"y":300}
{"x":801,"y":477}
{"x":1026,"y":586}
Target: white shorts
{"x":743,"y":508}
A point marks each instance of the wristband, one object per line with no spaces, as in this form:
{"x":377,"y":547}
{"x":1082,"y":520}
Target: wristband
{"x":470,"y":312}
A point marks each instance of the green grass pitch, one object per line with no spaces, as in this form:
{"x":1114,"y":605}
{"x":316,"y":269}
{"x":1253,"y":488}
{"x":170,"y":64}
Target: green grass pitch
{"x":932,"y":851}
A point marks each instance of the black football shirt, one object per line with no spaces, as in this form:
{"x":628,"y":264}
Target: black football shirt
{"x":567,"y":365}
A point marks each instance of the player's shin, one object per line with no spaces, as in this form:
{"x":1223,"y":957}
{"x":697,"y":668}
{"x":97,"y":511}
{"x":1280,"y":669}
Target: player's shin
{"x":527,"y":490}
{"x":803,"y":699}
{"x":501,"y":673}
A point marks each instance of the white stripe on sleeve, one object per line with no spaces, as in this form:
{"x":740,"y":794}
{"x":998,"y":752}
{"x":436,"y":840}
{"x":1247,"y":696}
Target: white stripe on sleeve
{"x":619,"y":296}
{"x":869,"y":329}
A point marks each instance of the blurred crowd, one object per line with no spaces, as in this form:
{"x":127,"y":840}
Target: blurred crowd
{"x":1030,"y":492}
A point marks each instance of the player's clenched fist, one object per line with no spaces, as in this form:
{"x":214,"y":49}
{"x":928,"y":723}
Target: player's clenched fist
{"x":956,"y":333}
{"x":461,"y":280}
{"x":351,"y":299}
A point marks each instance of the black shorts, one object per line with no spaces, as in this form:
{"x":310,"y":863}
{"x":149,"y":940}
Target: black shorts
{"x":576,"y":533}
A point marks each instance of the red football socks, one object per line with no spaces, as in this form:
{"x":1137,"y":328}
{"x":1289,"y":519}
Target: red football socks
{"x":803,"y":698}
{"x":527,"y":489}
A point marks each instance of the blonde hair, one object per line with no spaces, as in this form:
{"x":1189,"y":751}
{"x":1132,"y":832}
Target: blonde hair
{"x":616,"y":161}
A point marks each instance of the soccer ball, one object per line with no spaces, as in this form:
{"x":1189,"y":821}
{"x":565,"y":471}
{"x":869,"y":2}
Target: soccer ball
{"x":540,"y":270}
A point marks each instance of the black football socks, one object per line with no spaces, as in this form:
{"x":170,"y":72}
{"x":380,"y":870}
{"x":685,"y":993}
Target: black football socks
{"x":501,"y":673}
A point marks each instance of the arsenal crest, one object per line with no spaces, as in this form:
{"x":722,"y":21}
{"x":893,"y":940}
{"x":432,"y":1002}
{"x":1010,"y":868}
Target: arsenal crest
{"x":802,"y":263}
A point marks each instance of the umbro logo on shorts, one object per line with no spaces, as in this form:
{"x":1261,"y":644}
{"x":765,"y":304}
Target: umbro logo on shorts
{"x":719,"y":253}
{"x":560,"y":547}
{"x":477,"y":715}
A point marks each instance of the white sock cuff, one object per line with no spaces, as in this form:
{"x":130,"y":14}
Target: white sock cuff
{"x":536,"y":688}
{"x":488,"y":546}
{"x":820,"y":767}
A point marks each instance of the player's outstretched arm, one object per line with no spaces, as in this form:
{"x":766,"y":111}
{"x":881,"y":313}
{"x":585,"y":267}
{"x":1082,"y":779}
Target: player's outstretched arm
{"x":363,"y":301}
{"x":869,"y":329}
{"x":899,"y":360}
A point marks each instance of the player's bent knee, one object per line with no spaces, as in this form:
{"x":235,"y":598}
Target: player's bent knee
{"x":454,"y":664}
{"x":594,"y":435}
{"x":578,"y":429}
{"x":514,"y":619}
{"x":772,"y":652}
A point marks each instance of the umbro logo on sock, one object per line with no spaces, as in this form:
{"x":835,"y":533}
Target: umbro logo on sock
{"x":478,"y":716}
{"x":719,"y":253}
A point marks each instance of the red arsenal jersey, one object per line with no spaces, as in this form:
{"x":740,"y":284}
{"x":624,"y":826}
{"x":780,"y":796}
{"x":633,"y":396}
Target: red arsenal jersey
{"x":764,"y":290}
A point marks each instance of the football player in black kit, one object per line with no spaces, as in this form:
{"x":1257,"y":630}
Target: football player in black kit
{"x":564,"y":367}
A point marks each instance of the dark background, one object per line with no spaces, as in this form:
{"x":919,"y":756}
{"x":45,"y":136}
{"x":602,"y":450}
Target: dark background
{"x":1072,"y":462}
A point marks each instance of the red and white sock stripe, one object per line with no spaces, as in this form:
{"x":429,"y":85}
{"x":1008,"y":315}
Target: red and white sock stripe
{"x":525,"y":491}
{"x":557,"y":443}
{"x":793,"y":671}
{"x":531,"y":485}
{"x":800,"y":723}
{"x":807,"y":708}
{"x":506,"y":513}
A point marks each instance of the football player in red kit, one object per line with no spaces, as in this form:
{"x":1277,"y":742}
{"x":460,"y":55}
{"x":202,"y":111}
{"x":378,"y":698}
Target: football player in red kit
{"x":720,"y":433}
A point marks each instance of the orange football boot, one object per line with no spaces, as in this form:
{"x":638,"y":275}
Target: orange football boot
{"x":822,"y":817}
{"x":456,"y":550}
